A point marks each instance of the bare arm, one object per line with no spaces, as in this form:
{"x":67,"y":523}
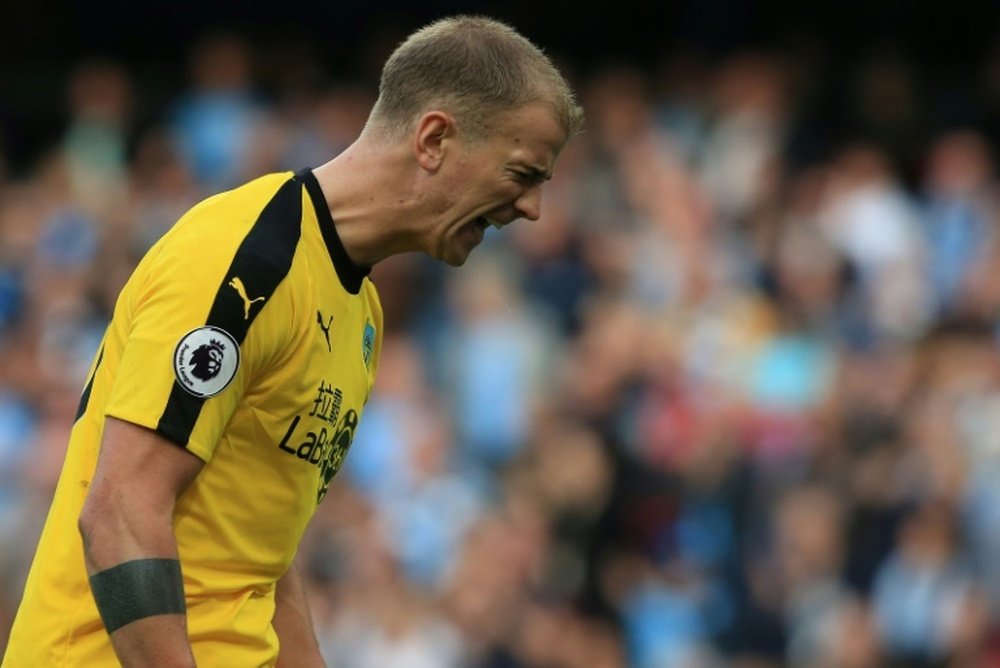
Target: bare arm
{"x":293,"y":624}
{"x":127,"y":520}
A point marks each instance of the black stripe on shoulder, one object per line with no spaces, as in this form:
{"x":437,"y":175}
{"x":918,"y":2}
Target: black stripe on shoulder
{"x":85,"y":397}
{"x":261,"y":262}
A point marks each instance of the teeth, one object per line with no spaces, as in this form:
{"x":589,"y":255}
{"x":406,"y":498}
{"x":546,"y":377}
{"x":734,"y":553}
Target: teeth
{"x":485,"y":222}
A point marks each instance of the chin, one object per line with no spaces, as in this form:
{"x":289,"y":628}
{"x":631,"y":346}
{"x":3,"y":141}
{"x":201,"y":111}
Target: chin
{"x":454,"y":253}
{"x":453,"y":257}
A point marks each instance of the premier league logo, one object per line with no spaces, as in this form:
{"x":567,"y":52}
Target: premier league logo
{"x":206,"y":360}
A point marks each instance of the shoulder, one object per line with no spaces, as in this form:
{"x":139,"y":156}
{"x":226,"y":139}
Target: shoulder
{"x":259,"y":220}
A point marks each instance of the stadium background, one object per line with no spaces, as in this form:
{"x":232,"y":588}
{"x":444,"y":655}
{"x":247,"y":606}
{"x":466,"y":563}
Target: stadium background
{"x":734,"y":400}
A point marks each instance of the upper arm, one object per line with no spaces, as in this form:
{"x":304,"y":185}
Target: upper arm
{"x":138,"y":478}
{"x":139,"y":462}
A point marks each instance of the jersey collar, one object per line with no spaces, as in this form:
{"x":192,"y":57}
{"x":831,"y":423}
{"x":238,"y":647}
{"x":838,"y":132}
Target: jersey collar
{"x":350,"y":274}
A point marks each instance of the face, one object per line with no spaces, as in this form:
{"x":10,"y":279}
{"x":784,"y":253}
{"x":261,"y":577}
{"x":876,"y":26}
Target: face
{"x":495,"y":180}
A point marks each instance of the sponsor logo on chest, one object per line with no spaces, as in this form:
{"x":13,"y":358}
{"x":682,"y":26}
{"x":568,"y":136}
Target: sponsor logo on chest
{"x":322,"y":436}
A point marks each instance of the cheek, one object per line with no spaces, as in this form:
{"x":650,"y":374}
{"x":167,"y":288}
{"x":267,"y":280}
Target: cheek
{"x":466,"y":184}
{"x":439,"y":196}
{"x":508,"y":193}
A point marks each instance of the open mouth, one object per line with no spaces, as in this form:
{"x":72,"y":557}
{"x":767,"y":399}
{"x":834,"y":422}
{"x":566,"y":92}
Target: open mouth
{"x":482,"y":222}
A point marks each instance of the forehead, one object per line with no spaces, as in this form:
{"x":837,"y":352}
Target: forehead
{"x":529,"y":133}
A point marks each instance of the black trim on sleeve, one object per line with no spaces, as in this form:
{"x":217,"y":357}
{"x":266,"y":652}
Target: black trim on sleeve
{"x":351,"y":275}
{"x":261,"y":262}
{"x":85,"y":397}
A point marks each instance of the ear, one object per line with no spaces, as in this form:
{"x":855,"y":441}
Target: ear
{"x":429,"y":138}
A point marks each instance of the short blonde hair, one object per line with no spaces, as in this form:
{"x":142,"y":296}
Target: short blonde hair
{"x":472,"y":67}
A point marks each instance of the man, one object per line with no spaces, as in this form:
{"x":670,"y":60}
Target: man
{"x":242,"y":351}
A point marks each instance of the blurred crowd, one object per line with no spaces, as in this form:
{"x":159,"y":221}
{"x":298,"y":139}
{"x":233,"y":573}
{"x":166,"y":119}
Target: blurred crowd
{"x":733,"y":401}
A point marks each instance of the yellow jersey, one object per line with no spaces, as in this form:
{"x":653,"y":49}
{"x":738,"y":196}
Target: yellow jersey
{"x":247,"y":336}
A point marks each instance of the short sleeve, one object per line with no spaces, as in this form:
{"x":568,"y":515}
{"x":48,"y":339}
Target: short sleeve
{"x":186,"y":314}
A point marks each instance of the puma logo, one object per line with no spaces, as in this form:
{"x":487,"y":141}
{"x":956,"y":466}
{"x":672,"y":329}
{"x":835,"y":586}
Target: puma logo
{"x":325,"y":328}
{"x":237,"y":285}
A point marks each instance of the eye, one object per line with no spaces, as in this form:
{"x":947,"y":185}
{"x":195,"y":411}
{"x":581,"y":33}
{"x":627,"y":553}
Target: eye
{"x":525,"y":177}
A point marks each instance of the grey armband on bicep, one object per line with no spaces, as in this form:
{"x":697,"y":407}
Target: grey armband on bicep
{"x":137,"y":589}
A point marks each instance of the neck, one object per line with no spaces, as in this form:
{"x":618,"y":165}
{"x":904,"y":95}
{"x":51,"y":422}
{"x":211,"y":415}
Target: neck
{"x":371,"y":197}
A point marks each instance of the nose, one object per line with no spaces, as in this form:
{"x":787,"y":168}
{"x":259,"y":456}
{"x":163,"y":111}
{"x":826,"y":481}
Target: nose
{"x":529,"y":204}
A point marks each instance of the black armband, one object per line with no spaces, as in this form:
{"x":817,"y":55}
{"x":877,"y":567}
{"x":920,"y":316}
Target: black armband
{"x":137,"y":589}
